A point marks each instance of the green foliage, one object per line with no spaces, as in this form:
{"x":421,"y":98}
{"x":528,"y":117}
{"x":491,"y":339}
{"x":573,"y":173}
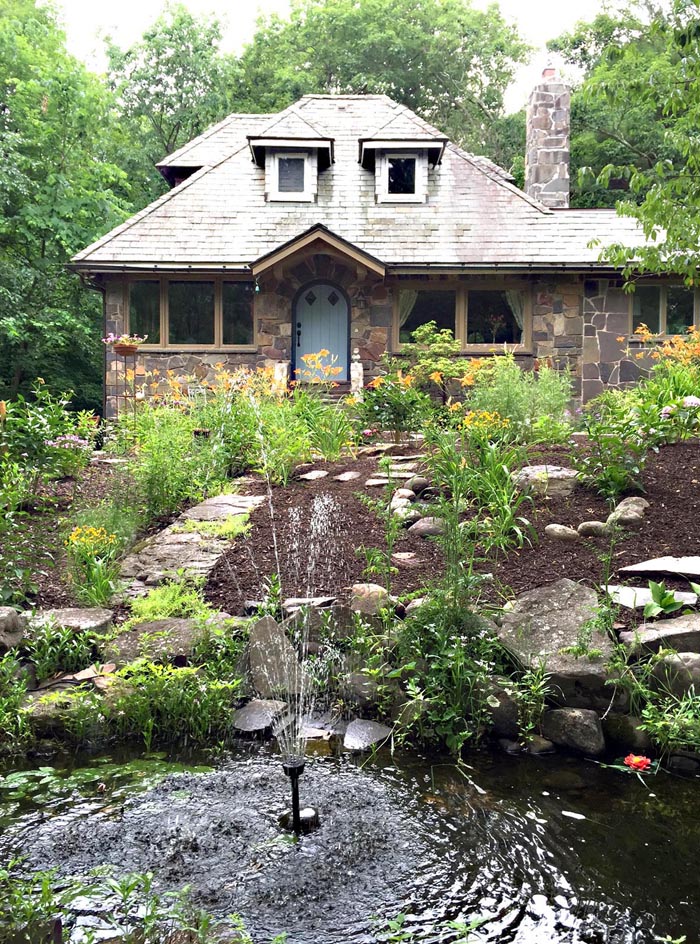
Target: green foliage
{"x":52,"y":648}
{"x":392,"y":403}
{"x":531,"y":690}
{"x":220,"y":650}
{"x":379,"y":560}
{"x":673,"y":721}
{"x":443,"y":58}
{"x":535,"y":402}
{"x":329,"y":427}
{"x":232,"y":527}
{"x":434,"y":357}
{"x":93,"y":570}
{"x":60,"y":189}
{"x":180,"y":597}
{"x":663,"y":601}
{"x":30,"y":906}
{"x":14,"y":727}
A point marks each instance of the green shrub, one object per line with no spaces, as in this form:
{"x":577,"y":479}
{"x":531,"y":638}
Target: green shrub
{"x":180,"y":597}
{"x":536,"y":403}
{"x":14,"y":726}
{"x":52,"y":648}
{"x":391,"y":403}
{"x":328,"y":425}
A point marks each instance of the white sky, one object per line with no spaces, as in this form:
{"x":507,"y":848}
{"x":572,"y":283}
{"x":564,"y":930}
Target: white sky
{"x":87,"y":20}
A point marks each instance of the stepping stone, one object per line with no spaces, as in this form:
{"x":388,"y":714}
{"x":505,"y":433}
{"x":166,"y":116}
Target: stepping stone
{"x":681,"y":634}
{"x":80,"y":620}
{"x":675,"y":566}
{"x":258,"y":715}
{"x":370,"y":483}
{"x":361,"y":735}
{"x":406,"y":559}
{"x":347,"y":476}
{"x":294,"y":604}
{"x":415,"y":458}
{"x":406,"y":467}
{"x":635,"y":598}
{"x":313,"y":475}
{"x":221,"y":507}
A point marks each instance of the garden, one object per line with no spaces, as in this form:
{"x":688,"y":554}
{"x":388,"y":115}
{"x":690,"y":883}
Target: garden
{"x":469,"y":605}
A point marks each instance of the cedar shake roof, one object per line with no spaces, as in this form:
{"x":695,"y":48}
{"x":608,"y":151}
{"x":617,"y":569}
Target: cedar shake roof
{"x":475,"y":218}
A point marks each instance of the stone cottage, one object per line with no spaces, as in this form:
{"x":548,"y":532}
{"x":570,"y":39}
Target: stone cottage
{"x":346,"y":221}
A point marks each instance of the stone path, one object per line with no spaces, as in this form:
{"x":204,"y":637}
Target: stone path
{"x":183,"y":546}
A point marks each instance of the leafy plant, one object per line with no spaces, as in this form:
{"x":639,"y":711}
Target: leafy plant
{"x":14,"y":727}
{"x":179,"y":597}
{"x":662,"y":601}
{"x":91,"y":559}
{"x":52,"y":648}
{"x":617,"y":449}
{"x":532,"y":689}
{"x":391,"y":402}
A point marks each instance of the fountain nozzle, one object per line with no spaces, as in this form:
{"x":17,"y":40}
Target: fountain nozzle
{"x":302,"y":821}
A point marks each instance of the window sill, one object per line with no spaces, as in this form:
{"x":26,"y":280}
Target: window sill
{"x":199,"y":349}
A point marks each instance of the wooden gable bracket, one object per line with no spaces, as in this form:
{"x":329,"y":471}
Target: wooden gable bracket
{"x":276,"y":259}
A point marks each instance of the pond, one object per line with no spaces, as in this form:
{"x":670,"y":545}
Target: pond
{"x":544,"y":850}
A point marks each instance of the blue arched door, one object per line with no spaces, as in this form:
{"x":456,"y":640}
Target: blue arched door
{"x":322,"y":322}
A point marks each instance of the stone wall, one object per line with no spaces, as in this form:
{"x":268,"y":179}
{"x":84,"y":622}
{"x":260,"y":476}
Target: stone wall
{"x":609,"y":359}
{"x":557,"y":326}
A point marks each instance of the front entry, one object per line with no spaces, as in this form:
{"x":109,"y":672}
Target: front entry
{"x":321,"y":322}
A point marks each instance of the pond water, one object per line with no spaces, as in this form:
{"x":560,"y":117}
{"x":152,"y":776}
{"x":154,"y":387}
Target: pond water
{"x":546,"y":851}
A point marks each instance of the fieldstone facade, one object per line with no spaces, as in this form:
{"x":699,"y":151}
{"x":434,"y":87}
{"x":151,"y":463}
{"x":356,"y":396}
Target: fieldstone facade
{"x":610,"y":359}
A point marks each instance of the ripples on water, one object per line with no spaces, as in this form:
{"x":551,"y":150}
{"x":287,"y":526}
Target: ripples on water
{"x":546,"y":851}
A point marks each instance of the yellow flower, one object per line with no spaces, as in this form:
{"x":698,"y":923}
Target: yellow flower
{"x":436,"y":376}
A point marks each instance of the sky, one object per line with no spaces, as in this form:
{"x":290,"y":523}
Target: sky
{"x":86,"y":21}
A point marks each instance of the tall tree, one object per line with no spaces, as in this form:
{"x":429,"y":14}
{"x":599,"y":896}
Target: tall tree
{"x":669,"y":190}
{"x":170,"y":86}
{"x":58,"y":191}
{"x":611,"y":125}
{"x":445,"y":59}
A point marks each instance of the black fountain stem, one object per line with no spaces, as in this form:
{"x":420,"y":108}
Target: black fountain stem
{"x":294,"y":768}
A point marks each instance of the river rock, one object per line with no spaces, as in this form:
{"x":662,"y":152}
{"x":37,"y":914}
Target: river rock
{"x":408,"y":514}
{"x":258,"y":715}
{"x":551,"y":481}
{"x":11,"y":629}
{"x":575,"y":728}
{"x":397,"y":503}
{"x":361,"y":735}
{"x":593,"y":529}
{"x":675,"y":566}
{"x":624,"y":733}
{"x":540,"y":745}
{"x":417,"y":484}
{"x":560,"y":532}
{"x":681,"y":633}
{"x":427,"y":527}
{"x":274,"y":667}
{"x":546,"y":621}
{"x":404,"y":493}
{"x":629,"y":513}
{"x":368,"y":598}
{"x":679,"y":672}
{"x":167,"y":641}
{"x":79,"y":619}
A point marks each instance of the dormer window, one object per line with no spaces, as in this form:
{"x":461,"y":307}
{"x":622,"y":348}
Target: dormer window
{"x":401,"y":172}
{"x":401,"y":177}
{"x":291,"y":175}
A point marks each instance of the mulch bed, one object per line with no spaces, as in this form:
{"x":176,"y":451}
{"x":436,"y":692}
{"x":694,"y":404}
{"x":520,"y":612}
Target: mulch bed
{"x":313,"y":533}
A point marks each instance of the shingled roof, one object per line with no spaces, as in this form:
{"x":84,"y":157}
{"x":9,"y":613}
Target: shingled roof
{"x":475,"y":218}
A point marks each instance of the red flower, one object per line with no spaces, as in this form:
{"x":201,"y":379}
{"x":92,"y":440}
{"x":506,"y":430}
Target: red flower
{"x":637,"y":762}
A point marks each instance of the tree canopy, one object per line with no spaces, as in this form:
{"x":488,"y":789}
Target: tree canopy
{"x":445,"y":59}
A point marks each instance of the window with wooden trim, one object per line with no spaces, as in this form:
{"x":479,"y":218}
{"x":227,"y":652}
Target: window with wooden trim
{"x":478,"y":317}
{"x":664,"y":309}
{"x":291,"y":176}
{"x":401,"y":177}
{"x":192,"y":313}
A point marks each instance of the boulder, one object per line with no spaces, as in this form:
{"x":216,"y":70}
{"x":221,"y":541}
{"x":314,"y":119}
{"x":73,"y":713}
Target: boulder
{"x":593,"y":529}
{"x":170,"y":641}
{"x":629,"y":513}
{"x":361,"y":735}
{"x":11,"y":629}
{"x":550,"y":481}
{"x":80,"y":619}
{"x":542,"y":624}
{"x":560,"y":532}
{"x":576,"y":728}
{"x":539,"y":745}
{"x":258,"y":715}
{"x":362,"y":690}
{"x":427,"y":527}
{"x":681,"y":633}
{"x":274,"y":667}
{"x":624,"y":734}
{"x":368,"y":598}
{"x":503,"y":709}
{"x":679,"y":672}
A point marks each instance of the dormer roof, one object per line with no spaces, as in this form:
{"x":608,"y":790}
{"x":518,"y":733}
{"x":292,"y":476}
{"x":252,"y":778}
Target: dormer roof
{"x":291,"y":130}
{"x":403,"y":131}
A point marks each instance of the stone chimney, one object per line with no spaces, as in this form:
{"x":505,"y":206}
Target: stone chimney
{"x":548,"y":120}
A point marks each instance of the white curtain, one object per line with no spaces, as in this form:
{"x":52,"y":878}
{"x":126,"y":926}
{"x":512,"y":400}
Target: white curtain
{"x":407,"y":302}
{"x":516,"y":300}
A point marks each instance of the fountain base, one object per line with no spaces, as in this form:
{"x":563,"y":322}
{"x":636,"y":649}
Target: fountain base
{"x":308,"y":820}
